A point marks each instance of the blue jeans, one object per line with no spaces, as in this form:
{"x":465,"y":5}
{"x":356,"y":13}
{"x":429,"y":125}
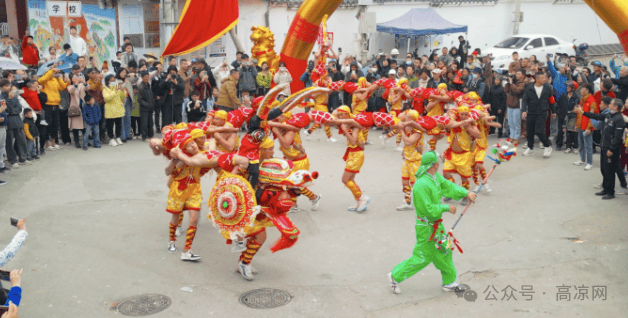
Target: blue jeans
{"x":586,"y":144}
{"x":127,"y":133}
{"x":88,"y":132}
{"x":514,"y":123}
{"x":31,"y":149}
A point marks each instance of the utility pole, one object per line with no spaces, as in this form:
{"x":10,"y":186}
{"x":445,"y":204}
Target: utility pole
{"x":363,"y":35}
{"x":518,"y":16}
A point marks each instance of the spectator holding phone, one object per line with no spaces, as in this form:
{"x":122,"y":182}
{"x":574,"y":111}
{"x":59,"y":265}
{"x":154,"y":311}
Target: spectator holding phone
{"x":15,"y":293}
{"x":283,"y":77}
{"x":9,"y":251}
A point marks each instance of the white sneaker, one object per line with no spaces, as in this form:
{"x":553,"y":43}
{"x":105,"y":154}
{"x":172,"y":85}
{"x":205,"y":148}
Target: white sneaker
{"x":394,"y":285}
{"x":178,"y":231}
{"x":528,"y":152}
{"x":307,"y":135}
{"x":488,"y":189}
{"x":541,"y":145}
{"x":588,"y":167}
{"x":119,"y":141}
{"x":315,"y":202}
{"x":57,"y":147}
{"x":576,"y":151}
{"x":245,"y":270}
{"x":405,"y":206}
{"x":353,"y":207}
{"x":578,"y":163}
{"x":547,"y":152}
{"x":364,"y":201}
{"x":253,"y":269}
{"x":112,"y":142}
{"x":171,"y":247}
{"x":569,"y":150}
{"x":50,"y":148}
{"x":238,"y":246}
{"x":525,"y":146}
{"x":15,"y":166}
{"x":189,"y":256}
{"x":44,"y":123}
{"x":450,"y":287}
{"x":332,"y":139}
{"x":399,"y":148}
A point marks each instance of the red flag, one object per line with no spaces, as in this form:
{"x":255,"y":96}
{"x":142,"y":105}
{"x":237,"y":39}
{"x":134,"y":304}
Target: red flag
{"x":201,"y":23}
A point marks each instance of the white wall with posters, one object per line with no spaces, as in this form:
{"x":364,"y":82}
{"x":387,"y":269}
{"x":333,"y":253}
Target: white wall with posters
{"x":140,"y":21}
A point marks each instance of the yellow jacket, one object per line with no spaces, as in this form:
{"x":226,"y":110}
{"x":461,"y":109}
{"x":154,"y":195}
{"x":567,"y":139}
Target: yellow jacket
{"x":52,"y":87}
{"x":114,"y":102}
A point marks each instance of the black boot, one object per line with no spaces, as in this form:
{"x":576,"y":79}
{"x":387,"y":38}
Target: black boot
{"x":77,"y":142}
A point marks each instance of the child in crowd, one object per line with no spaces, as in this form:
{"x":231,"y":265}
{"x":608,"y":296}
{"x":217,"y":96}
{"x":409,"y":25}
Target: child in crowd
{"x":32,"y":135}
{"x":195,"y":108}
{"x":91,"y":116}
{"x":213,"y":97}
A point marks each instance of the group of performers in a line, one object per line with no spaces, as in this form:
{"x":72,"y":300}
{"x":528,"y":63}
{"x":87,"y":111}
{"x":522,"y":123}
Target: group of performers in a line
{"x":248,"y":172}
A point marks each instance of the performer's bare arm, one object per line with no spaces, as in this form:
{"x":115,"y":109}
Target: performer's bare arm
{"x":409,"y":140}
{"x":361,"y":94}
{"x":275,"y":124}
{"x":228,"y":140}
{"x":455,"y":124}
{"x":473,"y":131}
{"x":170,"y":167}
{"x":214,"y":129}
{"x":285,"y":137}
{"x":413,"y":124}
{"x":198,"y":160}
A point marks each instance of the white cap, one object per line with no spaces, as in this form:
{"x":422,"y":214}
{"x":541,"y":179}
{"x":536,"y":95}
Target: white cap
{"x":394,"y":52}
{"x":437,"y":71}
{"x":393,"y":72}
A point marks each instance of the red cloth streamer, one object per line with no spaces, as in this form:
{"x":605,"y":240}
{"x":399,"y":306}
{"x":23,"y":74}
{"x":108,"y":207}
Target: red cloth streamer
{"x":435,"y":228}
{"x":213,"y":17}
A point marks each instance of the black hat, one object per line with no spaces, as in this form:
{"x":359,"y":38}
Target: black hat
{"x":143,"y":73}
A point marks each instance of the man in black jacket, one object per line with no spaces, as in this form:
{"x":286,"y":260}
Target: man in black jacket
{"x":622,"y":83}
{"x":566,"y":103}
{"x":15,"y":126}
{"x":146,"y":100}
{"x":158,"y":94}
{"x":462,"y":51}
{"x":173,"y":87}
{"x":535,"y":104}
{"x":612,"y":137}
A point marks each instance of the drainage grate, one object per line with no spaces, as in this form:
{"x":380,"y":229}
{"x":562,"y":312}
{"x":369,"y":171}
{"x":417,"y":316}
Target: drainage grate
{"x":265,"y":298}
{"x":143,"y":305}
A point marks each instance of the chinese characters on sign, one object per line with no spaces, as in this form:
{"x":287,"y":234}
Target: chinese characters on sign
{"x":63,"y":8}
{"x":563,"y":293}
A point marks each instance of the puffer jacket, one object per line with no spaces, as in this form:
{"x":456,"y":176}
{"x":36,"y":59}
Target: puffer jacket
{"x":52,"y":87}
{"x":227,"y":96}
{"x":114,"y":107}
{"x":248,"y":75}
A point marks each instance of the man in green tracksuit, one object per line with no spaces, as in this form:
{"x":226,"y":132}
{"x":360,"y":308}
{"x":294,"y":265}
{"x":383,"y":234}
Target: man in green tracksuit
{"x":431,"y":237}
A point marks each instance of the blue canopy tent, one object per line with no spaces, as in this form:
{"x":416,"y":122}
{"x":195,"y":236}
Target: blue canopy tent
{"x":420,"y":22}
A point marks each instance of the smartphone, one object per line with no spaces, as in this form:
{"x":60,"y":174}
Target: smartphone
{"x":5,"y":275}
{"x":339,"y":49}
{"x":14,"y":221}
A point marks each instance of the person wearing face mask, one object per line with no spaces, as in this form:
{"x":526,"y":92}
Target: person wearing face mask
{"x":283,"y":77}
{"x":114,"y":95}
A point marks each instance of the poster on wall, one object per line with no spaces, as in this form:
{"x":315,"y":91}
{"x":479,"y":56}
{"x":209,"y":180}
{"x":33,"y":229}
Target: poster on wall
{"x":96,"y":26}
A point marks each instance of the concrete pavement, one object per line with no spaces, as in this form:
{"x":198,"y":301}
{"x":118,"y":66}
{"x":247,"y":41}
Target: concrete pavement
{"x":98,"y":234}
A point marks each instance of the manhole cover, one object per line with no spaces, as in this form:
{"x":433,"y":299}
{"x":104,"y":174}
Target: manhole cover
{"x":143,"y":305}
{"x":265,"y":298}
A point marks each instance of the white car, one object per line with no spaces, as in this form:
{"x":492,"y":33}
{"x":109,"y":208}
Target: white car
{"x":526,"y":45}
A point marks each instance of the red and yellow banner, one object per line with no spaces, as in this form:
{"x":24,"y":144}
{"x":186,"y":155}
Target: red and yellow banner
{"x":201,"y":23}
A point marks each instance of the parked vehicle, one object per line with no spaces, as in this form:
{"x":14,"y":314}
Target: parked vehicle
{"x":526,"y":45}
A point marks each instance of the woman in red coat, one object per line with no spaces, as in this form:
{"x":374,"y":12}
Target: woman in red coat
{"x":30,"y":53}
